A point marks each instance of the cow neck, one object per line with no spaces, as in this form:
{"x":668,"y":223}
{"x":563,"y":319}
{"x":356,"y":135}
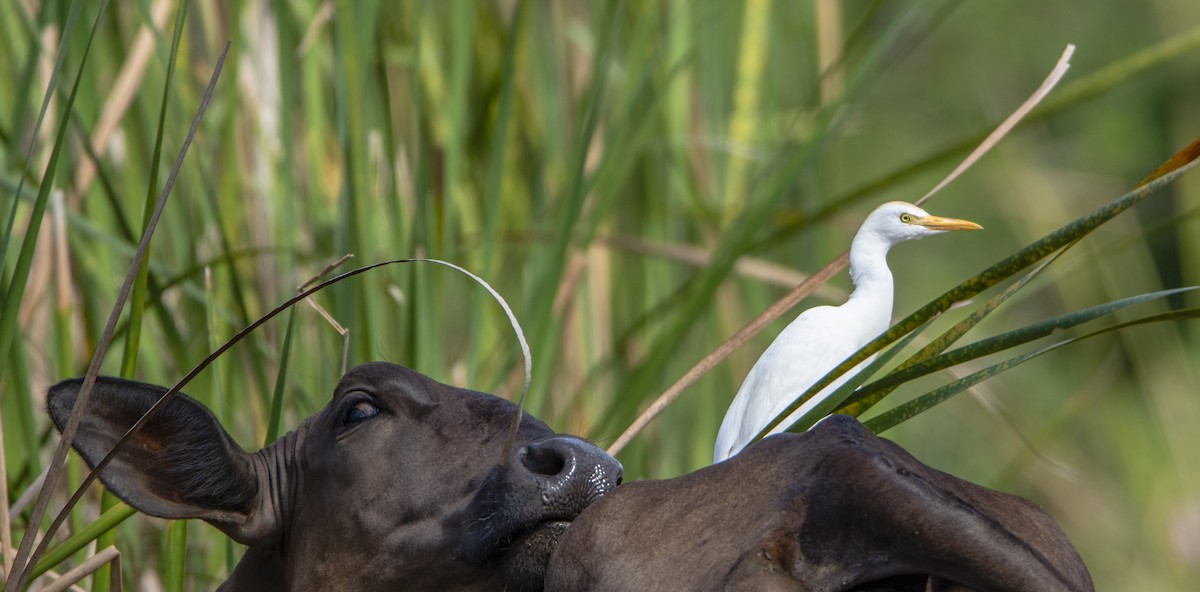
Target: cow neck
{"x":278,"y":470}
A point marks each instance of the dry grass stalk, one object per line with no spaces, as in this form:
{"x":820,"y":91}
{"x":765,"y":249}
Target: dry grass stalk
{"x":829,"y":49}
{"x":73,"y":576}
{"x":341,"y":330}
{"x":6,"y":547}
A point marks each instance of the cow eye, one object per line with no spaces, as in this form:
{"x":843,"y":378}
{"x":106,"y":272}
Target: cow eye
{"x":358,"y":411}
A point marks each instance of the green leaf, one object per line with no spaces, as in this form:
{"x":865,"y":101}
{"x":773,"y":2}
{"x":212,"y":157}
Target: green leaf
{"x":865,"y":398}
{"x":1007,"y":340}
{"x":62,"y":551}
{"x":176,"y":568}
{"x":280,"y":381}
{"x":902,"y":413}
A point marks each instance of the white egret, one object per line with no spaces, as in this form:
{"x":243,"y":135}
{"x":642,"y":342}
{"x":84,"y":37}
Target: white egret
{"x":824,"y":336}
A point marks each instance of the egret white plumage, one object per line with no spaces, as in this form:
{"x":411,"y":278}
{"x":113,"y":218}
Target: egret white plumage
{"x":824,"y":336}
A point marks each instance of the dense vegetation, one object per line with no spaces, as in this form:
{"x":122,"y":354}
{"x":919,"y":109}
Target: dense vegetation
{"x":639,"y":180}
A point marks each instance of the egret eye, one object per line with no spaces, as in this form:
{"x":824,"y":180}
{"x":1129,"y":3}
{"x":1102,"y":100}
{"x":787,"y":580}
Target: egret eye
{"x":359,"y":411}
{"x":906,"y":218}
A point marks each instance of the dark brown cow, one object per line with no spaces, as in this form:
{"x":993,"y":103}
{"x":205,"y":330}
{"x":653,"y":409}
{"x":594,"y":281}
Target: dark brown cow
{"x":831,"y":510}
{"x":394,"y":485}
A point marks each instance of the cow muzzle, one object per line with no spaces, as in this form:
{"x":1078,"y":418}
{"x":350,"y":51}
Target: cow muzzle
{"x":523,"y":505}
{"x":569,"y":474}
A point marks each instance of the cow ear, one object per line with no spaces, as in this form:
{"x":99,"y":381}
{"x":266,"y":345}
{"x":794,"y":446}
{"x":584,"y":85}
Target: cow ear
{"x":181,"y":464}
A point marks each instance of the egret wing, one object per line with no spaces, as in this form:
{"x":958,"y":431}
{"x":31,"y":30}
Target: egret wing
{"x":806,"y":350}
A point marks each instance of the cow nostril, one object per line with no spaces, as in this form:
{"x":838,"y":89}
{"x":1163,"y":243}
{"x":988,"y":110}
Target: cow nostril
{"x":544,"y":460}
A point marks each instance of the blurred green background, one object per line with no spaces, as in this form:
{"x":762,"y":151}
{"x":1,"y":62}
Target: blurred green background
{"x":639,"y":180}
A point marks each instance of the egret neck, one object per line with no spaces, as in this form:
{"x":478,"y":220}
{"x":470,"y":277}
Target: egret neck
{"x":871,"y":301}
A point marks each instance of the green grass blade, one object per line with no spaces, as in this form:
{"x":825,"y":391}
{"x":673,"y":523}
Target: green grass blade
{"x":551,"y":272}
{"x":925,"y":402}
{"x":286,"y":165}
{"x":495,"y":182}
{"x":353,"y":30}
{"x":47,"y":178}
{"x":1010,"y":339}
{"x":457,"y":212}
{"x":273,"y":418}
{"x":176,"y":568}
{"x":634,"y":128}
{"x":102,"y":580}
{"x":836,"y":397}
{"x":236,"y":283}
{"x":16,"y":287}
{"x":861,"y":401}
{"x":18,"y":403}
{"x":25,"y":558}
{"x":137,"y":298}
{"x":60,"y":552}
{"x":137,"y":303}
{"x":24,"y":79}
{"x":112,"y":195}
{"x":902,"y":413}
{"x":497,"y":152}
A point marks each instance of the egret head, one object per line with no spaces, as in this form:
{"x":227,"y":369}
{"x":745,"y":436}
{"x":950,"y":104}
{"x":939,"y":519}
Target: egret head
{"x":897,"y":221}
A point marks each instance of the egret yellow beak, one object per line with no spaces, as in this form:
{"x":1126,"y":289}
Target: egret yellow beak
{"x":940,"y":223}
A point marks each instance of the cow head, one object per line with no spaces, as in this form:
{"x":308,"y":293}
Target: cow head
{"x":395,"y":484}
{"x":835,"y":509}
